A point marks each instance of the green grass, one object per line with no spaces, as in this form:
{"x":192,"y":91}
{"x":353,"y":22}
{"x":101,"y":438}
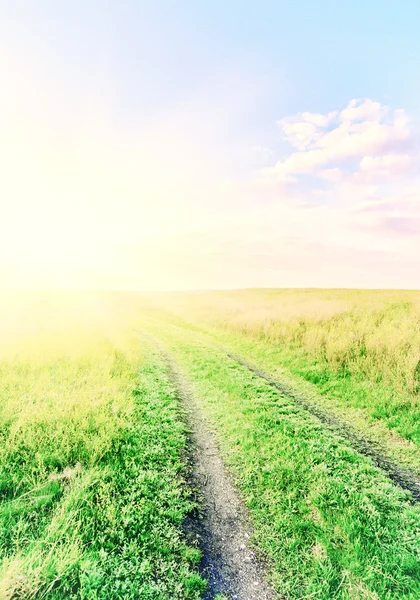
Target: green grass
{"x":360,"y":346}
{"x":351,"y":401}
{"x":92,"y":479}
{"x":331,"y":524}
{"x":93,"y":482}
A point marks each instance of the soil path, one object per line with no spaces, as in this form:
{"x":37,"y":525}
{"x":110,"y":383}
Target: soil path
{"x":402,"y":476}
{"x":223,"y":529}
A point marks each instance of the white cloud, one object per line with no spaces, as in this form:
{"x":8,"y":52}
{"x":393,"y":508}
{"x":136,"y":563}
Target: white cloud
{"x":365,"y":131}
{"x":262,"y":151}
{"x":363,"y":213}
{"x":306,"y":128}
{"x":388,"y":165}
{"x":362,"y":110}
{"x":318,"y":119}
{"x":333,"y":175}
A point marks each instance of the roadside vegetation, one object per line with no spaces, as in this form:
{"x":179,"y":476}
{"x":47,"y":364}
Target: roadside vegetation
{"x":360,"y":346}
{"x":329,"y":522}
{"x":94,"y":487}
{"x":92,"y":478}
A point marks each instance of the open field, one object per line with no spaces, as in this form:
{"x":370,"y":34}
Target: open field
{"x":95,"y":475}
{"x":363,"y":346}
{"x":92,"y":480}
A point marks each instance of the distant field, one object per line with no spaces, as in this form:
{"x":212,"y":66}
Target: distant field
{"x":95,"y":487}
{"x":363,"y":346}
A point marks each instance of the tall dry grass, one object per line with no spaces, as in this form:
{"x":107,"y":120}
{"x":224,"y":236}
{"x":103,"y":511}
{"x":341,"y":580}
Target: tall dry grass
{"x":373,"y":335}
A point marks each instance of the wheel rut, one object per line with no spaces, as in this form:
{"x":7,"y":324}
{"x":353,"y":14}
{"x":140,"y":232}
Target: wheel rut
{"x":221,"y":527}
{"x":404,"y":478}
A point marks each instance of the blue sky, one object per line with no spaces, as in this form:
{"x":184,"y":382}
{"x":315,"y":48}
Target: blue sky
{"x":167,"y":136}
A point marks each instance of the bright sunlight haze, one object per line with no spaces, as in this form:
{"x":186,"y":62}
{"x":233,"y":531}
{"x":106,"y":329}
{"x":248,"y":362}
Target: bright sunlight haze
{"x":150,"y":146}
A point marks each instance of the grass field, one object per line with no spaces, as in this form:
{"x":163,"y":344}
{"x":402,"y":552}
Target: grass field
{"x":92,"y":481}
{"x":94,"y":485}
{"x":363,"y":346}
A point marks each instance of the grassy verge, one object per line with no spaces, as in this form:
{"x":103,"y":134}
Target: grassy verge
{"x":330,"y":523}
{"x":361,"y":346}
{"x":351,"y":400}
{"x":92,"y":487}
{"x":398,"y":409}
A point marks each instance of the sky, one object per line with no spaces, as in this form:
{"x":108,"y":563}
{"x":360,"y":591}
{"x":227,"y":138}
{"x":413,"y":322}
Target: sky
{"x":209,"y":145}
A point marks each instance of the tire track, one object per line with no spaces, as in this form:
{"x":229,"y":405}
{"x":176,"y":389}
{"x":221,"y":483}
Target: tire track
{"x":221,"y":526}
{"x":404,"y":478}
